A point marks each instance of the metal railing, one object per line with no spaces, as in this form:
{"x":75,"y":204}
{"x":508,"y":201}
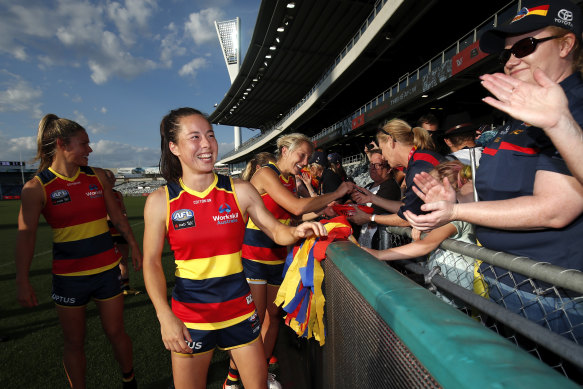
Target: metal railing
{"x":483,"y":283}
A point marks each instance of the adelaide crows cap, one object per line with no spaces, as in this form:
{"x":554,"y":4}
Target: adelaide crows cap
{"x":534,"y":15}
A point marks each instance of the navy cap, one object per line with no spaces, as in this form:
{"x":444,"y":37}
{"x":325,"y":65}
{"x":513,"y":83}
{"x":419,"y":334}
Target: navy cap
{"x":318,"y":157}
{"x":459,"y":123}
{"x":334,"y":158}
{"x":534,"y":15}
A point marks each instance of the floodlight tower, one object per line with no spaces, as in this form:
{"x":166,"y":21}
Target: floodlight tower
{"x":230,"y":39}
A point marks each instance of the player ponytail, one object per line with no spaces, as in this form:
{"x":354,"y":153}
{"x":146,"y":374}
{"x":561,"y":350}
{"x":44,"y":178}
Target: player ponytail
{"x":50,"y":129}
{"x":402,"y":132}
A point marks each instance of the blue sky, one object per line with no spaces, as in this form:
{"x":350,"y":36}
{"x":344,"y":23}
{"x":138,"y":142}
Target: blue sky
{"x":114,"y":66}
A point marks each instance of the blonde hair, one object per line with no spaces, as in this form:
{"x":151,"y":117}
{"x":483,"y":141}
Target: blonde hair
{"x":50,"y":129}
{"x":292,"y":141}
{"x":577,"y":65}
{"x":456,"y":173}
{"x":260,"y":159}
{"x":402,"y":132}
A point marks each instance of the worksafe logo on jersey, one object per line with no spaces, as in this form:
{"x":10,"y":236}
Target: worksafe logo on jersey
{"x":225,"y":215}
{"x":183,"y":218}
{"x":60,"y":196}
{"x":94,"y":192}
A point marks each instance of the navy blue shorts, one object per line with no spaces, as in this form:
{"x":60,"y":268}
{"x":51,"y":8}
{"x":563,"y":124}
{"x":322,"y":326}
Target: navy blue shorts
{"x":237,"y":335}
{"x":76,"y":291}
{"x":261,"y":273}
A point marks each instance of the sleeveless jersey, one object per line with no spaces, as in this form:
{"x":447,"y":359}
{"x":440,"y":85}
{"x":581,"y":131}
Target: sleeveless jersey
{"x":75,"y":209}
{"x":205,"y":231}
{"x":257,"y":246}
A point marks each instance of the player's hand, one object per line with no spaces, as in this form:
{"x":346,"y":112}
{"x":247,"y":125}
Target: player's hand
{"x":345,"y":188}
{"x":137,"y":259}
{"x":25,"y":294}
{"x":175,"y":335}
{"x":361,"y":195}
{"x":359,"y":217}
{"x":309,"y":229}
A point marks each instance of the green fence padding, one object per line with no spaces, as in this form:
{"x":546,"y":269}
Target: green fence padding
{"x":457,"y":350}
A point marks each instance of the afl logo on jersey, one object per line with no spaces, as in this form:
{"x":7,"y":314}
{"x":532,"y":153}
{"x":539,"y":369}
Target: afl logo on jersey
{"x":183,"y":218}
{"x":60,"y":196}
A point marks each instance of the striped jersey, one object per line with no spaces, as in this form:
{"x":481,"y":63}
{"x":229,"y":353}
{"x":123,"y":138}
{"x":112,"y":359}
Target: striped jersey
{"x":205,"y":231}
{"x":257,"y":246}
{"x":75,"y":209}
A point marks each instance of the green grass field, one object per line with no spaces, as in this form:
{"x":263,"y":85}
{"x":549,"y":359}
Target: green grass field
{"x":32,"y":356}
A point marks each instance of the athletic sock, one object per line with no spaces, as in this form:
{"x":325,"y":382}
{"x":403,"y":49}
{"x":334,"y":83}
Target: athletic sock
{"x":233,"y":377}
{"x":129,"y":380}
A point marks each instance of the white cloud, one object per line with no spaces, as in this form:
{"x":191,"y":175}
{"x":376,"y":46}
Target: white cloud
{"x":200,"y":25}
{"x":171,"y":46}
{"x":191,"y":68}
{"x":65,"y":32}
{"x":126,"y":18}
{"x":113,"y":59}
{"x":81,"y":23}
{"x":15,"y":148}
{"x":92,"y":128}
{"x":110,"y":154}
{"x":17,"y":95}
{"x":103,"y":110}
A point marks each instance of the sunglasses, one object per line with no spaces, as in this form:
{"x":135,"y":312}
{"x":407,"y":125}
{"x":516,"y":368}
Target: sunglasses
{"x":523,"y":47}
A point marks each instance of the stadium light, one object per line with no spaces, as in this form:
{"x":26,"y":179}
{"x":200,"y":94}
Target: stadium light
{"x":229,"y":32}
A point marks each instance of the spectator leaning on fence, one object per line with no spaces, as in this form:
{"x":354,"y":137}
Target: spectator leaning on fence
{"x":384,"y":186}
{"x":530,"y":204}
{"x":455,"y":267}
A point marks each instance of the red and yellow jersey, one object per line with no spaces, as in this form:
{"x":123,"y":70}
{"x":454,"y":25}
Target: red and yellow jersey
{"x":75,"y":209}
{"x":205,"y":232}
{"x":257,"y":246}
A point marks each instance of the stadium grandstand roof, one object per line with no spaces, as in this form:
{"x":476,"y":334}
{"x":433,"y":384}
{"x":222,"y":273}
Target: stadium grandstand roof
{"x":292,"y":49}
{"x":301,"y":41}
